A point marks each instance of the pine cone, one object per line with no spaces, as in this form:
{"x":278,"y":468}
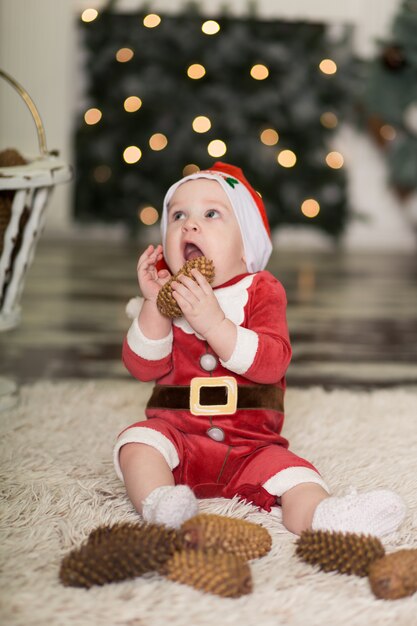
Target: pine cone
{"x":8,"y":158}
{"x":226,"y":535}
{"x":224,"y":575}
{"x":6,"y":199}
{"x":165,"y":302}
{"x":395,"y":575}
{"x":11,"y":157}
{"x":347,"y":553}
{"x":117,"y":553}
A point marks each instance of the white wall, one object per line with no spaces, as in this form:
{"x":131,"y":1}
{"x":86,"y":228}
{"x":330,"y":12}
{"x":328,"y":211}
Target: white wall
{"x":370,"y":17}
{"x":38,"y":47}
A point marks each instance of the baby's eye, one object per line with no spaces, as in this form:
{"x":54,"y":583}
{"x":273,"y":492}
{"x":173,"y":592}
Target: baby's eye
{"x":212,"y":213}
{"x":178,"y":215}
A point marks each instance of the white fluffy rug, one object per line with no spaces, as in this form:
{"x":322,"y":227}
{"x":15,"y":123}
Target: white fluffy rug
{"x":58,"y":484}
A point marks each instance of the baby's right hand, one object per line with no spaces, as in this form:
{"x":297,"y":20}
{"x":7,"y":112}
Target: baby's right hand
{"x":150,"y":280}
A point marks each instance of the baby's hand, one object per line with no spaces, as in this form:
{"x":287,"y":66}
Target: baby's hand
{"x":150,"y":280}
{"x":197,"y":302}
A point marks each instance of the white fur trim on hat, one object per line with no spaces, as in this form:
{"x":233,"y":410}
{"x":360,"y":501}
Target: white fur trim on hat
{"x":256,"y":241}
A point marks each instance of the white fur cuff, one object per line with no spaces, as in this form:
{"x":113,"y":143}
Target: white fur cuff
{"x":244,"y":353}
{"x":150,"y":349}
{"x":291,"y":477}
{"x":152,"y":438}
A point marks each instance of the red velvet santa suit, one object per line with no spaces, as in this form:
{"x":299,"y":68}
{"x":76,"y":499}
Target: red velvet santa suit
{"x":223,"y":455}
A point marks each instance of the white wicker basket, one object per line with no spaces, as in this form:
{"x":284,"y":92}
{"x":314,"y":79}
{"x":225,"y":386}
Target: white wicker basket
{"x":31,"y":186}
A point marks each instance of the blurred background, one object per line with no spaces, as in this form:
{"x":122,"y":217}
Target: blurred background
{"x":317,"y":102}
{"x":104,"y":80}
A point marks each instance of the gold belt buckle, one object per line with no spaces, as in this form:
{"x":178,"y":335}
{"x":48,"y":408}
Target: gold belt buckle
{"x":196,"y":408}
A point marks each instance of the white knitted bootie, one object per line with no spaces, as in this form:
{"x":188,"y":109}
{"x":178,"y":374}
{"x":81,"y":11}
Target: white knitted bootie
{"x":378,"y":513}
{"x":170,"y":506}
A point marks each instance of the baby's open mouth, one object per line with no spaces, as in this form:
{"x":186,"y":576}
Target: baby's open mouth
{"x":191,"y":251}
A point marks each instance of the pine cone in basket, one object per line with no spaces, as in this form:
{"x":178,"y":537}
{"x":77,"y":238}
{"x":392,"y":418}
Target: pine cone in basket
{"x":165,"y":302}
{"x":117,"y":553}
{"x":5,"y":214}
{"x":8,"y":158}
{"x":225,"y":575}
{"x":226,"y":535}
{"x":395,"y":575}
{"x":11,"y":157}
{"x":347,"y":553}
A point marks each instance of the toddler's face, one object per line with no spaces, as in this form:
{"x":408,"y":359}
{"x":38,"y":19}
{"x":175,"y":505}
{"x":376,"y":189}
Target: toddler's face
{"x":201,"y":222}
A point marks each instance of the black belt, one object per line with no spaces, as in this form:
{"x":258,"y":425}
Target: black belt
{"x":248,"y":397}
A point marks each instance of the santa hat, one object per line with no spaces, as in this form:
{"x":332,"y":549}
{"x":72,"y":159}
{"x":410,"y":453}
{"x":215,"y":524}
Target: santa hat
{"x":248,"y":207}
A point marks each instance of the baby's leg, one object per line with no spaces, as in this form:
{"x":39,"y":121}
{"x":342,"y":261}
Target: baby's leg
{"x":308,"y":505}
{"x":299,"y":504}
{"x":144,"y":469}
{"x":150,"y":486}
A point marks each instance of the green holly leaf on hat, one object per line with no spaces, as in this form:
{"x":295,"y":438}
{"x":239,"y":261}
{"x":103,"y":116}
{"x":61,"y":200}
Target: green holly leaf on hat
{"x":231,"y":181}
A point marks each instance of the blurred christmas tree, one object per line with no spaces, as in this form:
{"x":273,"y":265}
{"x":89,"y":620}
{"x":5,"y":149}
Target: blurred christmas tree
{"x":170,"y":94}
{"x":391,"y":99}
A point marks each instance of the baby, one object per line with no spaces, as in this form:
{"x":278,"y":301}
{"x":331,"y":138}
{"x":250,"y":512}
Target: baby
{"x":215,"y":417}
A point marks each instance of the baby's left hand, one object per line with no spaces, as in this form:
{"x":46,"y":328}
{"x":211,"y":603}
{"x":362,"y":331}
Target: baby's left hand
{"x":197,"y":302}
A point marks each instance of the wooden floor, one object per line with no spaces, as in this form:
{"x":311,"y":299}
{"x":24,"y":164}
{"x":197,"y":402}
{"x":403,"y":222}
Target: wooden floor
{"x":352,"y":317}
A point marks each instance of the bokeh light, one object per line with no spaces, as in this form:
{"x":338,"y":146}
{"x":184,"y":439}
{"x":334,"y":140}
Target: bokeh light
{"x":148,"y":215}
{"x":196,"y":71}
{"x":210,"y":27}
{"x":335,"y":160}
{"x":92,"y":116}
{"x":329,"y":119}
{"x":124,"y":55}
{"x":217,"y":148}
{"x":287,"y":158}
{"x":269,"y":137}
{"x":152,"y":20}
{"x":89,"y":15}
{"x":310,"y":208}
{"x":259,"y":72}
{"x":190,"y":168}
{"x":132,"y":154}
{"x":388,"y":132}
{"x":132,"y":104}
{"x":158,"y":141}
{"x":327,"y":66}
{"x":102,"y":173}
{"x":201,"y":124}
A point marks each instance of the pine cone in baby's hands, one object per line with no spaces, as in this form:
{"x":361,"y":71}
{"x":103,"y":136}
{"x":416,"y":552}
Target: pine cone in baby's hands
{"x":165,"y":302}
